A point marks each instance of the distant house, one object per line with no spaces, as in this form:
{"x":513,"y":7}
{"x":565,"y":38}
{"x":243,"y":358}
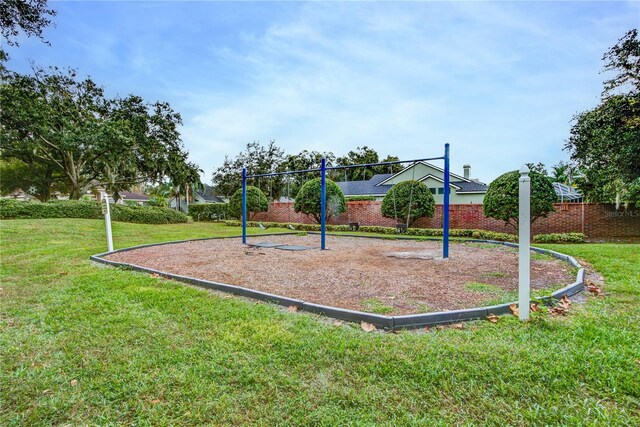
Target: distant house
{"x":463,"y":189}
{"x":129,"y":196}
{"x":204,"y":195}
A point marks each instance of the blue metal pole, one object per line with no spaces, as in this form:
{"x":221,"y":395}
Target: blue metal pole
{"x":244,"y":206}
{"x":445,"y":207}
{"x":323,"y":203}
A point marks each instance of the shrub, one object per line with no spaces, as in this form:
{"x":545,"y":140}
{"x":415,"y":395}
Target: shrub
{"x":492,"y":235}
{"x":146,"y":215}
{"x":502,"y":198}
{"x":408,"y":201}
{"x":559,"y":238}
{"x":15,"y":209}
{"x":308,"y":199}
{"x":256,"y":202}
{"x":209,"y":211}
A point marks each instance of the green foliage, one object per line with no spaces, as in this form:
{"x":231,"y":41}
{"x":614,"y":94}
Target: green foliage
{"x":158,"y":202}
{"x":559,"y":238}
{"x":257,"y":159}
{"x":502,"y":198}
{"x":308,"y":199}
{"x":14,"y":209}
{"x":56,"y":120}
{"x":304,"y":160}
{"x":408,"y":201}
{"x":36,"y":179}
{"x":256,"y":202}
{"x":492,"y":235}
{"x":209,"y":211}
{"x":605,"y":141}
{"x":27,"y":16}
{"x":360,"y":199}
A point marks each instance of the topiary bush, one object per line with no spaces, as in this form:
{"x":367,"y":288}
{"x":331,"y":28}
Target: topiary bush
{"x":502,"y":198}
{"x":256,"y":202}
{"x":559,"y":238}
{"x":308,"y":199}
{"x":14,"y":209}
{"x":209,"y":211}
{"x":408,"y":201}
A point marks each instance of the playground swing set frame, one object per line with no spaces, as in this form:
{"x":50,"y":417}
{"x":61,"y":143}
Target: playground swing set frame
{"x":323,"y":194}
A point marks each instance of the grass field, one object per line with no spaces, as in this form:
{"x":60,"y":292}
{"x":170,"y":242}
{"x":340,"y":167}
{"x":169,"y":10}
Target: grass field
{"x":84,"y":345}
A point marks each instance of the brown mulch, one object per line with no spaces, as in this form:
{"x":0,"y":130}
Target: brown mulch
{"x":356,"y":273}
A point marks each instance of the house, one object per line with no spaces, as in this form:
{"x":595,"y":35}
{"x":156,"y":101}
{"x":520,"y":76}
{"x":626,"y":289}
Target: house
{"x":203,"y":195}
{"x":463,"y":189}
{"x":129,"y":196}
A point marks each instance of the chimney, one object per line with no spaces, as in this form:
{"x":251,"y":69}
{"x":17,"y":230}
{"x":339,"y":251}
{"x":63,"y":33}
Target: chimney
{"x":467,"y":171}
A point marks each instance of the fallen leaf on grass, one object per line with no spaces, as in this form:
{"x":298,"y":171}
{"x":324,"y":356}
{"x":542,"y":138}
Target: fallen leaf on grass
{"x":73,"y":383}
{"x":292,"y":308}
{"x":594,"y":289}
{"x":47,"y":391}
{"x":565,"y":302}
{"x":367,"y":327}
{"x":63,"y":273}
{"x":155,"y":275}
{"x":514,"y":309}
{"x":458,"y":326}
{"x":492,"y":318}
{"x":558,"y":311}
{"x":155,"y":401}
{"x":535,"y":307}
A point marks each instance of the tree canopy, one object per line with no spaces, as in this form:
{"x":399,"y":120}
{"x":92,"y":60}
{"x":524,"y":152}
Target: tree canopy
{"x":308,"y":199}
{"x":502,"y":198}
{"x":257,"y":159}
{"x":55,"y":120}
{"x":256,"y":202}
{"x":408,"y":201}
{"x":605,"y":142}
{"x":28,"y":16}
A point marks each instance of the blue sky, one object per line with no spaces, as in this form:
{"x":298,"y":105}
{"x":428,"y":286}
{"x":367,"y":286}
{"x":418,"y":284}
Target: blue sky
{"x":499,"y":81}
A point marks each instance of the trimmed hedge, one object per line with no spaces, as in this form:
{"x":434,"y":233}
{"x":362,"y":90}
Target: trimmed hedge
{"x":15,"y":209}
{"x":559,"y":238}
{"x":209,"y":211}
{"x":422,"y":232}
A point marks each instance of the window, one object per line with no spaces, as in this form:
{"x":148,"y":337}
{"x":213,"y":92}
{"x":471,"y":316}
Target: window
{"x":433,"y":190}
{"x":441,"y":190}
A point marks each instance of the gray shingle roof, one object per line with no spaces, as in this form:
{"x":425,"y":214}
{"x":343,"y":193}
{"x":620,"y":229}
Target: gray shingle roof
{"x":470,"y":186}
{"x":365,"y":188}
{"x":208,"y":196}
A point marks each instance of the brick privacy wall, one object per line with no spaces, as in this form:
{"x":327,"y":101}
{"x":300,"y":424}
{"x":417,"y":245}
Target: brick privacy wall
{"x":594,"y":220}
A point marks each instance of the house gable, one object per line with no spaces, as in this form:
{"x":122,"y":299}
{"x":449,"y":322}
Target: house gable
{"x":418,"y":171}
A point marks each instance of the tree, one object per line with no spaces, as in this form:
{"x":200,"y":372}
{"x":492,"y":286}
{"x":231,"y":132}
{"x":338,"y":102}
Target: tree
{"x":501,"y":200}
{"x":33,"y":178}
{"x":55,"y":120}
{"x":407,"y":201}
{"x":624,"y":58}
{"x":308,"y":199}
{"x":362,"y":155}
{"x":256,"y":202}
{"x":605,"y":142}
{"x":28,"y":16}
{"x":257,"y":159}
{"x":302,"y":161}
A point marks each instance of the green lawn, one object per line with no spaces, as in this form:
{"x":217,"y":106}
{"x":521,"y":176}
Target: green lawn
{"x":87,"y":345}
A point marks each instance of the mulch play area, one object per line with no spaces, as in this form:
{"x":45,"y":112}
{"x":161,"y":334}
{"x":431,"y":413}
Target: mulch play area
{"x":375,"y":275}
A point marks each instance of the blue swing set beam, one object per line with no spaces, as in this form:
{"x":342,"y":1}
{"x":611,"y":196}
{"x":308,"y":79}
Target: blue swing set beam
{"x":323,"y":193}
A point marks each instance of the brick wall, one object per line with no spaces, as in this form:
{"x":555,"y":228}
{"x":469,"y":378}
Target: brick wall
{"x":597,"y":221}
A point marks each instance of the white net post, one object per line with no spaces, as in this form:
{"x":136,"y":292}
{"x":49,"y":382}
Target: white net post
{"x":107,"y":219}
{"x":524,"y":254}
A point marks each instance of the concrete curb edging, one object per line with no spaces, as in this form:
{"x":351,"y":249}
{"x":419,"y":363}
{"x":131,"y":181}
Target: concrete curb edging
{"x":409,"y":321}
